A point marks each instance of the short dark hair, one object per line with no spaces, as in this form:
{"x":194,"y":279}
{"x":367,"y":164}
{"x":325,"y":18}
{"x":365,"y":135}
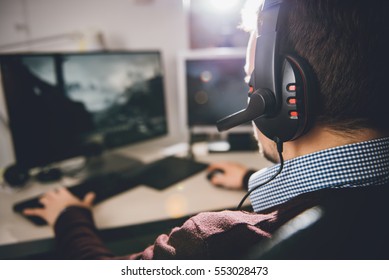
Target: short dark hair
{"x":346,"y":43}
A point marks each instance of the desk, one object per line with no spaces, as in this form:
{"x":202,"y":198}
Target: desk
{"x":140,"y":205}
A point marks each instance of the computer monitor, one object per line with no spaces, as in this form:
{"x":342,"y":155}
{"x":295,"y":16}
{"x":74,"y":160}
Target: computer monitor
{"x":212,"y":86}
{"x":63,"y":105}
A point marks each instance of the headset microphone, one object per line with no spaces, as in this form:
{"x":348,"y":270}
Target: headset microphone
{"x":261,"y":103}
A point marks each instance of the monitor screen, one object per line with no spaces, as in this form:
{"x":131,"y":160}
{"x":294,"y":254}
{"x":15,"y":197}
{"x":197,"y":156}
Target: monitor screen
{"x":214,"y":86}
{"x":61,"y":105}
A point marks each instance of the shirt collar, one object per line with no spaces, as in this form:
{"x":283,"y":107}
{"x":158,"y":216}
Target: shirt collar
{"x":354,"y":165}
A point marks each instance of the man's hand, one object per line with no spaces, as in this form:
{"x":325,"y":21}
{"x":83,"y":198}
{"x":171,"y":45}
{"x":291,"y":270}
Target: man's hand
{"x":232,"y":176}
{"x":55,"y":202}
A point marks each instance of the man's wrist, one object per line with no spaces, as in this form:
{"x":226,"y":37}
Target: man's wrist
{"x":71,"y":215}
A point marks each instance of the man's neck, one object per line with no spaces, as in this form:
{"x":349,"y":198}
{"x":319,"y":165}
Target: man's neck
{"x":321,"y":138}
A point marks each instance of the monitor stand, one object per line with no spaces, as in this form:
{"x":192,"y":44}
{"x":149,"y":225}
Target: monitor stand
{"x":230,"y":142}
{"x":110,"y":162}
{"x":242,"y":141}
{"x":106,"y":163}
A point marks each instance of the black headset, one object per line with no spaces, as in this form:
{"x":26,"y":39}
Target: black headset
{"x":282,"y":86}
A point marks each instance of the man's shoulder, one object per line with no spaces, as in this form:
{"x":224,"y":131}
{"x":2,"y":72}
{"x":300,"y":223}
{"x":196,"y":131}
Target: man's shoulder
{"x":211,"y":223}
{"x":223,"y":235}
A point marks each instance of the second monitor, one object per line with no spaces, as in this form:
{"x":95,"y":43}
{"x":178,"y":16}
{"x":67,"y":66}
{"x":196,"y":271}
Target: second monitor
{"x":212,"y":86}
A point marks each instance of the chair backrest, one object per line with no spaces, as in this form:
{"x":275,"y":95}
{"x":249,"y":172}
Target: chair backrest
{"x":342,"y":228}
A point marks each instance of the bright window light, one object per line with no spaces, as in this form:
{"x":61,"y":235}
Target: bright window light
{"x":224,"y":6}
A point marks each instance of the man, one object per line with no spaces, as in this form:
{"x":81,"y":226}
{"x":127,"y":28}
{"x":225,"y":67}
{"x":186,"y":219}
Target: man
{"x":341,"y":164}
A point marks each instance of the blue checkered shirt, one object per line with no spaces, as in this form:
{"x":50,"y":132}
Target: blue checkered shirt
{"x":355,"y":165}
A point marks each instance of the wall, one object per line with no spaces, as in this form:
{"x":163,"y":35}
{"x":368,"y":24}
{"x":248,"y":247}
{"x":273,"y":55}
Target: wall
{"x":124,"y":24}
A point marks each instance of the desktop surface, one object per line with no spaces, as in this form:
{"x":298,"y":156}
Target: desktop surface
{"x":136,"y":206}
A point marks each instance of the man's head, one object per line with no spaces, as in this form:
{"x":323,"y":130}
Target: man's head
{"x":344,"y":42}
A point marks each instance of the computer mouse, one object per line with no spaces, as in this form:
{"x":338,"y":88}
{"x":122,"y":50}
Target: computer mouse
{"x":214,"y":172}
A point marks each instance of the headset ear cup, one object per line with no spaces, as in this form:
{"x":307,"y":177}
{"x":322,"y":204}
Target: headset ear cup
{"x":295,"y":99}
{"x":306,"y":79}
{"x":16,"y":176}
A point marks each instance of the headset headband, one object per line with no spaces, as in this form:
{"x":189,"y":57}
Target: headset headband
{"x":266,"y":65}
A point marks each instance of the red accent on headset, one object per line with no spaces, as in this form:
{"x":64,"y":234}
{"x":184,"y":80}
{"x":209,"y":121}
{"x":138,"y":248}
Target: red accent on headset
{"x":293,"y":114}
{"x":292,"y":101}
{"x":291,"y":87}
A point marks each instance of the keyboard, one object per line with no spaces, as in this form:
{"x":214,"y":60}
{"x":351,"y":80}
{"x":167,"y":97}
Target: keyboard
{"x":159,"y":175}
